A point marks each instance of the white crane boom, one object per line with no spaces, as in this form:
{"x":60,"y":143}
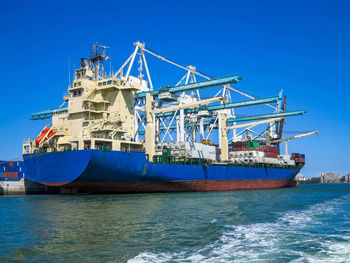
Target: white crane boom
{"x":252,"y":124}
{"x":188,"y":105}
{"x":295,"y":137}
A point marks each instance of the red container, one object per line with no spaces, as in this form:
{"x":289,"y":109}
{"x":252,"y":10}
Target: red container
{"x":271,"y":154}
{"x":271,"y":149}
{"x":299,"y":160}
{"x":239,"y":149}
{"x":10,"y":174}
{"x":10,"y":163}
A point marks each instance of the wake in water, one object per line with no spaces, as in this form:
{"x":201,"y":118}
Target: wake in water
{"x":296,"y":236}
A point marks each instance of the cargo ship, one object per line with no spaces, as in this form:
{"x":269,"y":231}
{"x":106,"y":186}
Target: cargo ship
{"x":118,"y":133}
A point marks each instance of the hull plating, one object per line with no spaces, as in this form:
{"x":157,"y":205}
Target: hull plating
{"x":97,"y":171}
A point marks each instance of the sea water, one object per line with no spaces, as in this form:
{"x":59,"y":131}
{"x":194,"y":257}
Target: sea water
{"x":310,"y":223}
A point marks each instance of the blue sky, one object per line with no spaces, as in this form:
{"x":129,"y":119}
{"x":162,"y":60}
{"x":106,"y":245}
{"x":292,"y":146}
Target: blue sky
{"x":302,"y":47}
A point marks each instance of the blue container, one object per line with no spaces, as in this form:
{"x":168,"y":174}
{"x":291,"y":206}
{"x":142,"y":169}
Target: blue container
{"x":10,"y":169}
{"x":17,"y":166}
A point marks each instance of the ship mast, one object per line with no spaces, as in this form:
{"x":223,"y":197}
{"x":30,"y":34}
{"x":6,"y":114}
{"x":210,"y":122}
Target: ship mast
{"x":97,"y":58}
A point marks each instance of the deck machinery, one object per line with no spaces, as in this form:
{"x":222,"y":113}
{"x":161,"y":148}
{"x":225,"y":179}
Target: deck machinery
{"x":115,"y":132}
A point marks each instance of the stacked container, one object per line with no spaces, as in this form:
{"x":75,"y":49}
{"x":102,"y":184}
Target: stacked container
{"x":298,"y":157}
{"x":269,"y":151}
{"x":239,"y":144}
{"x":12,"y":170}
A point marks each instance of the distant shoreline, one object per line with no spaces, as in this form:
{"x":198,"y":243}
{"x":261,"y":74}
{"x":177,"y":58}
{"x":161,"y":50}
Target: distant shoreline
{"x":312,"y":182}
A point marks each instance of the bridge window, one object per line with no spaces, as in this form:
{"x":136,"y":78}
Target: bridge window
{"x":77,"y":93}
{"x":103,"y":145}
{"x":87,"y":145}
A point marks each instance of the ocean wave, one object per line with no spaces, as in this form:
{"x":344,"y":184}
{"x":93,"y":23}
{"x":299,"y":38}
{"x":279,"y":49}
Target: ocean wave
{"x":287,"y":239}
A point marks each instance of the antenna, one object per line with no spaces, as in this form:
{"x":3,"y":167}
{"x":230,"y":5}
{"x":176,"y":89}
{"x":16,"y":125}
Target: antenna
{"x":110,"y":65}
{"x":68,"y":72}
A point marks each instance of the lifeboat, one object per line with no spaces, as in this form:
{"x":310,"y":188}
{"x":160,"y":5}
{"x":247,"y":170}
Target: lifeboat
{"x":42,"y":135}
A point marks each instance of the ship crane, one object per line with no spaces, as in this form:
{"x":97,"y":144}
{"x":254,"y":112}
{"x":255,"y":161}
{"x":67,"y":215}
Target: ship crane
{"x":189,"y":105}
{"x":292,"y":138}
{"x":224,"y":128}
{"x":150,"y":112}
{"x":252,"y":124}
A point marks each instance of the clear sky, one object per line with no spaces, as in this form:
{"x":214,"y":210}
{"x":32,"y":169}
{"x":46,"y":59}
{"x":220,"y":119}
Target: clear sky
{"x":302,"y":47}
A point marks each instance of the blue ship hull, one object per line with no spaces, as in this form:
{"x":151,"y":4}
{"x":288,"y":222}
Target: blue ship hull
{"x":98,"y":171}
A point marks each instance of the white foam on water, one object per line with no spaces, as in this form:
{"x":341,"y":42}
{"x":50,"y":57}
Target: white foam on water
{"x":262,"y":242}
{"x":147,"y":257}
{"x":333,"y":252}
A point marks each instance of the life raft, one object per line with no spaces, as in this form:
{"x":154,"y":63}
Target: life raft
{"x":42,"y":135}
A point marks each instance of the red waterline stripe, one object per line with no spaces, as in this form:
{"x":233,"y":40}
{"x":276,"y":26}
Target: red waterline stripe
{"x":176,"y":186}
